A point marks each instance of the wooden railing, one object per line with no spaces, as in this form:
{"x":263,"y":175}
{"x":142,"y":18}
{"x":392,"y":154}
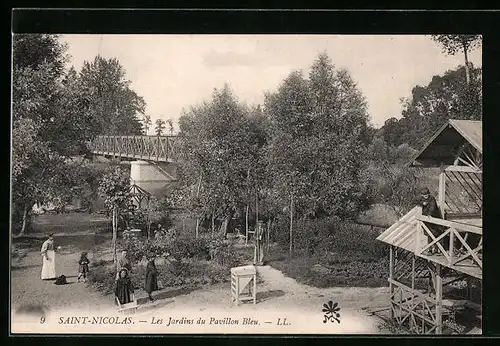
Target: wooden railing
{"x":459,"y":248}
{"x":416,"y":309}
{"x":150,"y":148}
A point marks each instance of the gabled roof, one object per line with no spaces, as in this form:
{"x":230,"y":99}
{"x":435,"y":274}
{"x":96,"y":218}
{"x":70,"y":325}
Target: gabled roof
{"x":401,"y":233}
{"x":443,"y":146}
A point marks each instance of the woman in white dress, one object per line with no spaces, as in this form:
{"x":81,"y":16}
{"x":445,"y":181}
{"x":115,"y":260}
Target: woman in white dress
{"x":49,"y":259}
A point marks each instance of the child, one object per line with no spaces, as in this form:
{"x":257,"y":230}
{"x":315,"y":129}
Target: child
{"x":151,"y":283}
{"x":83,"y":268}
{"x":124,"y":288}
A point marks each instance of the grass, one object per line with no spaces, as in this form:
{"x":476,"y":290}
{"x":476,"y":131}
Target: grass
{"x":350,"y":273}
{"x":330,"y":253}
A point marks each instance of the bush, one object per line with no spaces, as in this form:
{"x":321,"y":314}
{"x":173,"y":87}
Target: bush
{"x":102,"y":276}
{"x":188,"y":261}
{"x":331,"y":235}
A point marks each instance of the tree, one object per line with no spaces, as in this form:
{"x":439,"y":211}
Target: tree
{"x":429,"y":107}
{"x":115,"y":189}
{"x":452,"y":44}
{"x":318,"y":131}
{"x":55,"y":112}
{"x":146,"y":123}
{"x":216,"y":143}
{"x":41,"y":101}
{"x":159,"y":126}
{"x":170,"y":126}
{"x":116,"y":108}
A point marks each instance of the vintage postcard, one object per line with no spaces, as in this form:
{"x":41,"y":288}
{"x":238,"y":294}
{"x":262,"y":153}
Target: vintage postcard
{"x":260,"y":184}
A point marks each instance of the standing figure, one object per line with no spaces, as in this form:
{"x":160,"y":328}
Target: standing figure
{"x":259,"y":244}
{"x":48,"y":259}
{"x":83,"y":267}
{"x":430,"y":208}
{"x":124,"y":289}
{"x":123,"y":262}
{"x":151,"y":283}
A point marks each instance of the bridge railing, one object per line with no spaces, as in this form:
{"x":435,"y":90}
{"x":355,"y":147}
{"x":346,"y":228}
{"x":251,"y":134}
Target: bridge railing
{"x":152,"y":148}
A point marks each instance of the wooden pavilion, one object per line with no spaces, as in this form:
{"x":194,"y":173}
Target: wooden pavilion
{"x":423,"y":290}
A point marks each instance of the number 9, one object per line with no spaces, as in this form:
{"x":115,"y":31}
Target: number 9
{"x":42,"y":320}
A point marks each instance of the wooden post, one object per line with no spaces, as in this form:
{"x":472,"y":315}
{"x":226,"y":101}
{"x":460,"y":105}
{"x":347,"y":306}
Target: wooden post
{"x":451,"y":246}
{"x":418,"y":239}
{"x":442,"y":187}
{"x":439,"y":300}
{"x":256,"y":209}
{"x":291,"y":224}
{"x":413,"y":279}
{"x":196,"y":231}
{"x":391,"y":277}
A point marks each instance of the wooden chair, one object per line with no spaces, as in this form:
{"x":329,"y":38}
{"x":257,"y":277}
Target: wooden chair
{"x":243,"y":284}
{"x":129,"y":308}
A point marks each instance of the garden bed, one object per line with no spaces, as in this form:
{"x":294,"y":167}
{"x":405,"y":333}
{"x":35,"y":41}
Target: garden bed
{"x":317,"y":272}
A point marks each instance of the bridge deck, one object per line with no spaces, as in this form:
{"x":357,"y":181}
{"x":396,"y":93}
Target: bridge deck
{"x":149,"y":148}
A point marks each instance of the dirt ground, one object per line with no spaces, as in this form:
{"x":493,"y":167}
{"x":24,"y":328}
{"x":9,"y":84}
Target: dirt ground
{"x":275,"y":293}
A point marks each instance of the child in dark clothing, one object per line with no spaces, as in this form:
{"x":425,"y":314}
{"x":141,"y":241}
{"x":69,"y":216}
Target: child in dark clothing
{"x":151,"y":283}
{"x":83,"y":267}
{"x":124,"y":289}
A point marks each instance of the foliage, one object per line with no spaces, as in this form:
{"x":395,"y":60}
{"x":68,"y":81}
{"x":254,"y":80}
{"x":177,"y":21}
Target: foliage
{"x":445,"y":97}
{"x":146,"y":123}
{"x":55,"y":112}
{"x":110,"y":102}
{"x":217,"y":144}
{"x":453,"y":44}
{"x":332,"y":235}
{"x":102,"y":276}
{"x":170,"y":126}
{"x":114,"y":187}
{"x":159,"y":126}
{"x":319,"y":129}
{"x":180,"y":250}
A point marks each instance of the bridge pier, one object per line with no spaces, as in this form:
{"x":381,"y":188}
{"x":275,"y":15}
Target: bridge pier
{"x":152,"y":177}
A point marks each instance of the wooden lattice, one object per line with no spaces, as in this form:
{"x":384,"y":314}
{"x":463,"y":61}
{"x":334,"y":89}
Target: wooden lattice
{"x":150,"y":148}
{"x":453,"y":248}
{"x":463,"y":192}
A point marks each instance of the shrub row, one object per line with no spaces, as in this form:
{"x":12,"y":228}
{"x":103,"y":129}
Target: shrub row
{"x":184,"y":262}
{"x":345,"y":241}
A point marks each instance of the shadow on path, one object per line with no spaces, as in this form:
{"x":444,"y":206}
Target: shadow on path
{"x":263,"y":296}
{"x":166,"y":294}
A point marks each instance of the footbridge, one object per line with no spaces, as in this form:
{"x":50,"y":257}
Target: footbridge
{"x":148,"y":148}
{"x":152,"y":158}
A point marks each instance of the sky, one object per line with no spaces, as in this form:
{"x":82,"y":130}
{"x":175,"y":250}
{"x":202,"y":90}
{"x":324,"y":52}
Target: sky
{"x":172,"y":72}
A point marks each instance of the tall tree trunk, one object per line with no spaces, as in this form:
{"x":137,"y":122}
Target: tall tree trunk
{"x":198,"y":219}
{"x":291,"y":224}
{"x":225,"y":224}
{"x":213,"y":222}
{"x":467,"y":72}
{"x":149,"y":222}
{"x":267,"y":233}
{"x":115,"y":235}
{"x":246,"y":224}
{"x":256,"y":209}
{"x":25,"y":220}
